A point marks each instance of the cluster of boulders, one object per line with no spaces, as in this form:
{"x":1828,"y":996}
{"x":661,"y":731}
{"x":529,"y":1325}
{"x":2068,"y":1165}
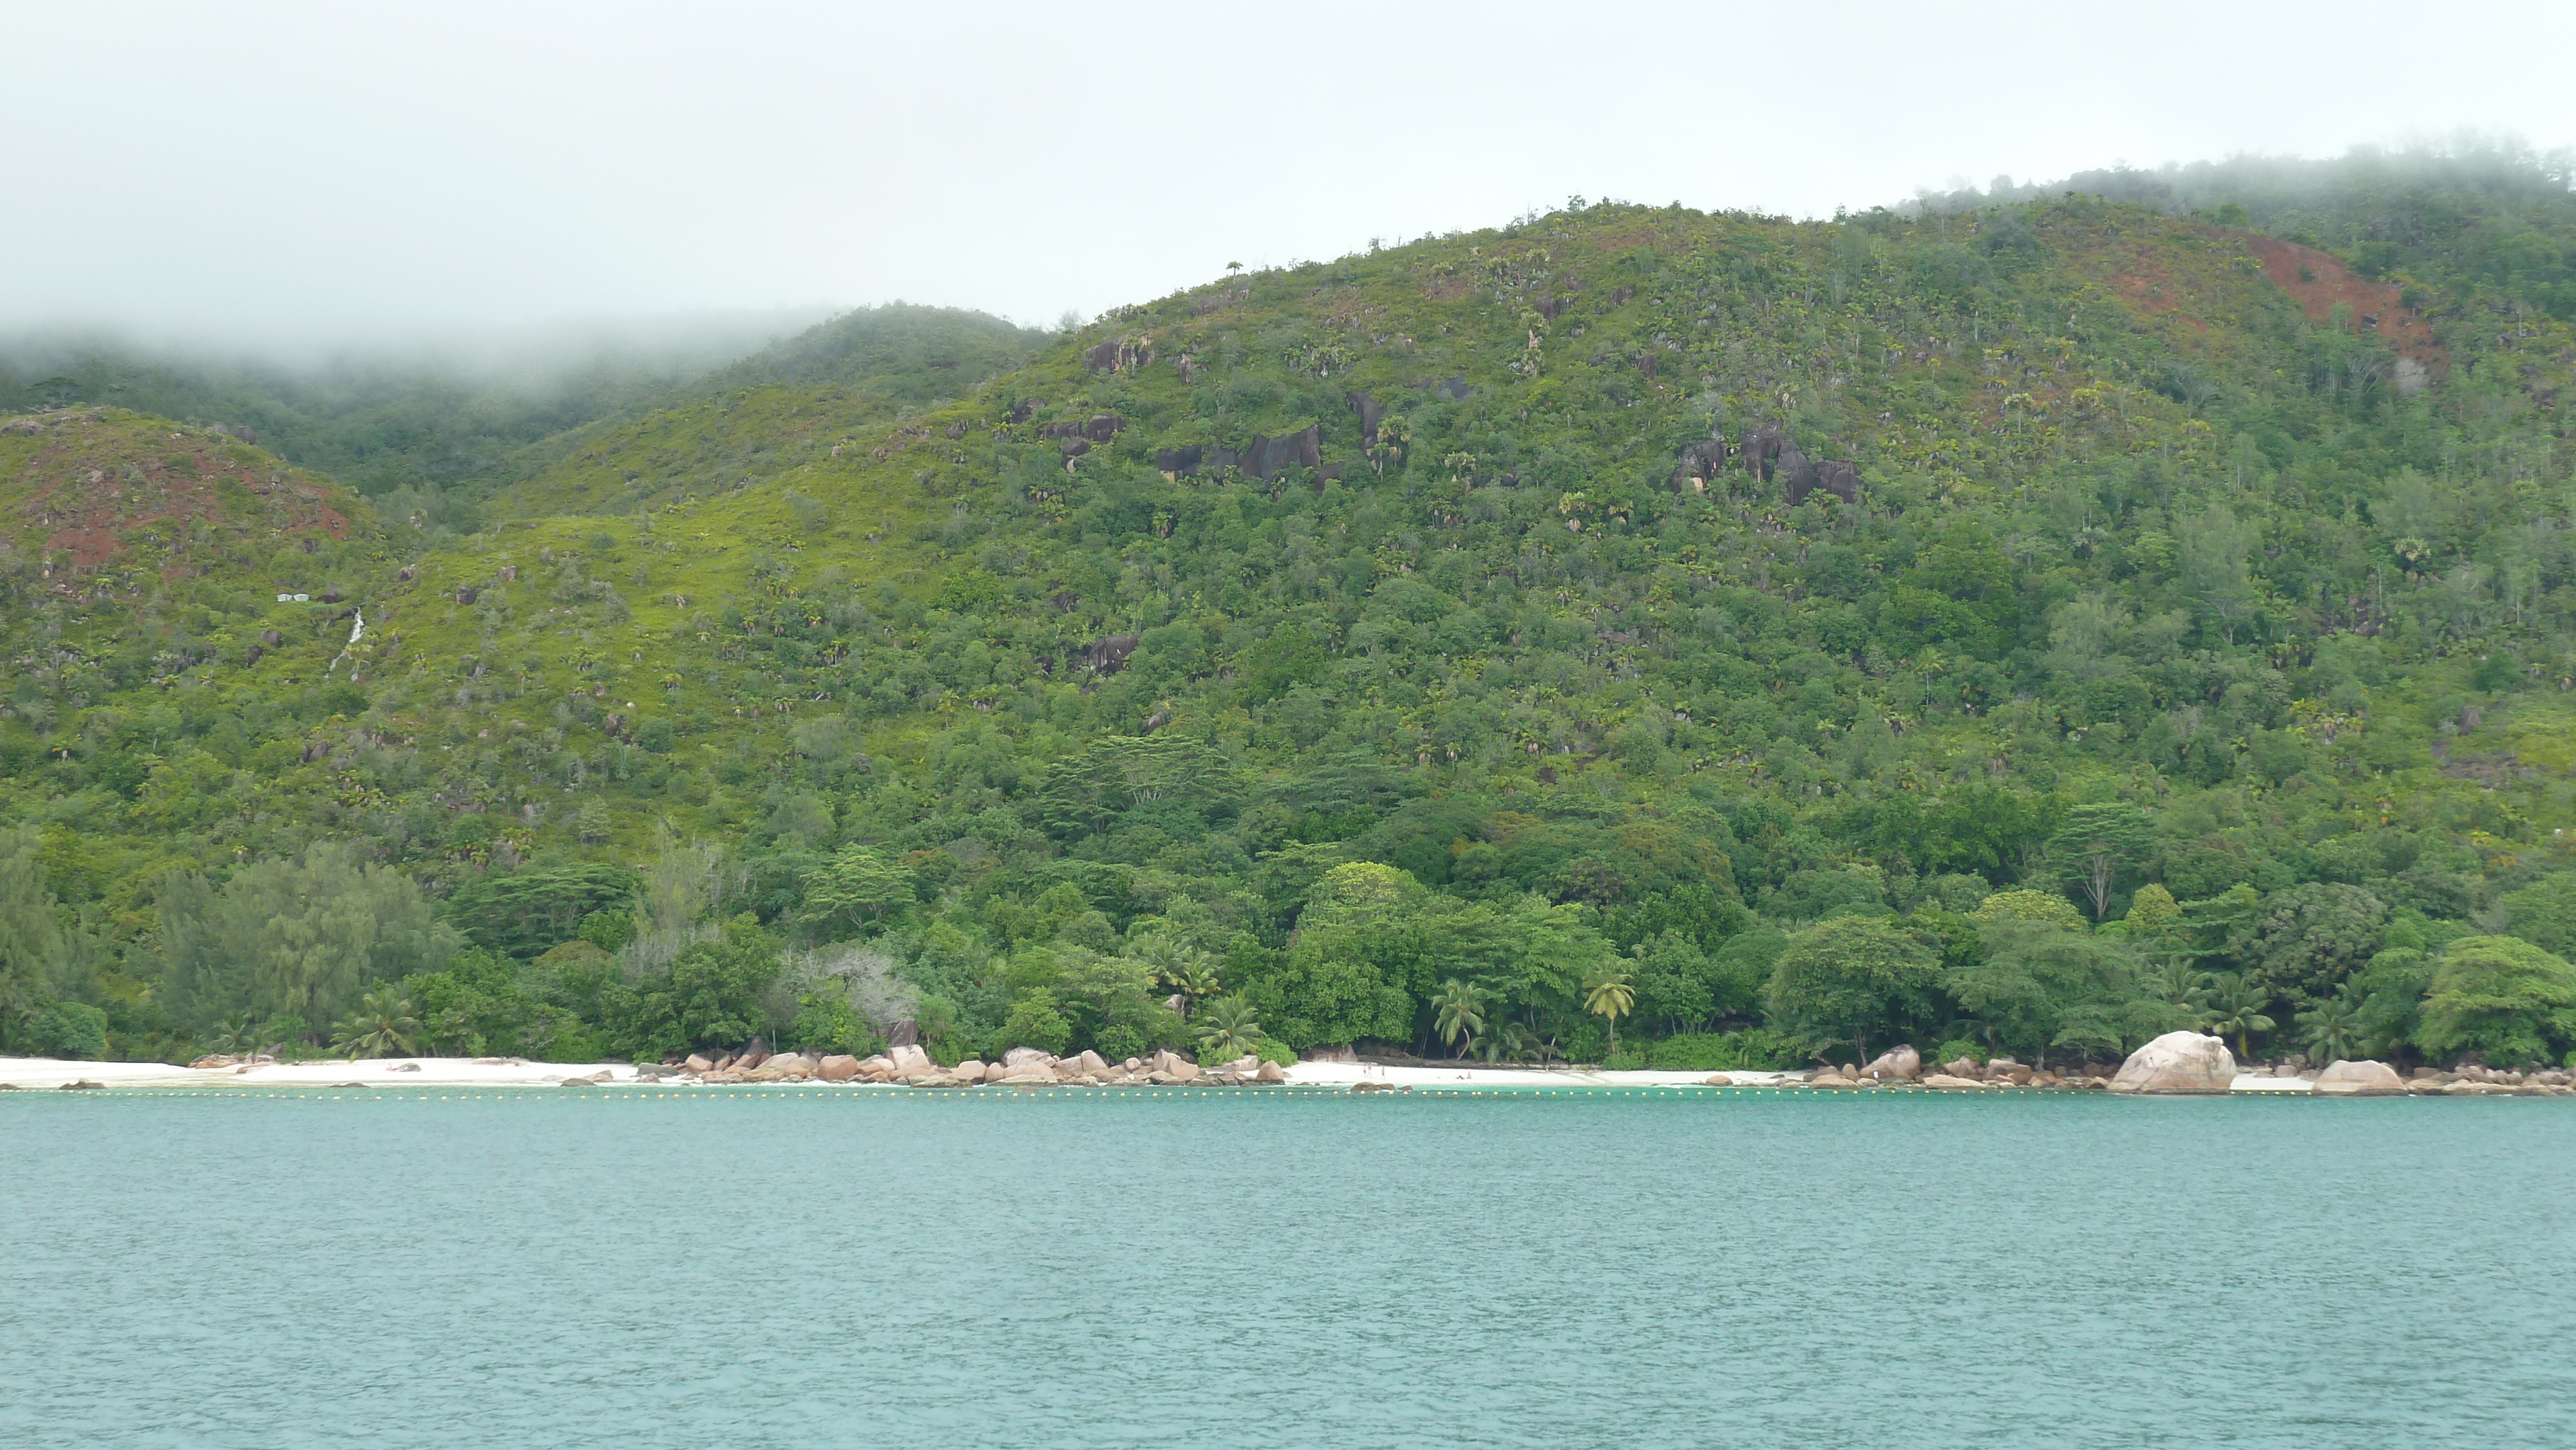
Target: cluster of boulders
{"x":1967,"y":1075}
{"x":909,"y":1065}
{"x":1903,"y":1066}
{"x":2192,"y":1062}
{"x":2470,"y":1080}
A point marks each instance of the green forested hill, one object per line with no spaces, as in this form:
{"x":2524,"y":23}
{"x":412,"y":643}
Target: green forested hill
{"x":440,"y":437}
{"x":784,"y":403}
{"x":2024,"y":629}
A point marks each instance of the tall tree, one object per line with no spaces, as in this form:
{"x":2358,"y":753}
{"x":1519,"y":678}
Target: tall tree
{"x":301,"y":937}
{"x":1845,"y":977}
{"x":1608,"y":994}
{"x":2501,"y":998}
{"x":31,"y":938}
{"x":2099,"y":845}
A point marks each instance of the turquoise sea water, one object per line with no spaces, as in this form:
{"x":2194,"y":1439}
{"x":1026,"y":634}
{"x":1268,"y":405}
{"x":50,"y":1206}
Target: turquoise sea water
{"x":553,"y":1268}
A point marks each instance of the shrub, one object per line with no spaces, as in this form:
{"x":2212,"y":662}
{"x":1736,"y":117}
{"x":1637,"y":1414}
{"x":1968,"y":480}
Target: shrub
{"x":609,"y":931}
{"x":2027,"y":905}
{"x":826,"y":1023}
{"x":73,"y":1030}
{"x":2500,"y":998}
{"x":1754,"y":1049}
{"x":576,"y":1042}
{"x":1034,"y":1022}
{"x":1118,"y":1043}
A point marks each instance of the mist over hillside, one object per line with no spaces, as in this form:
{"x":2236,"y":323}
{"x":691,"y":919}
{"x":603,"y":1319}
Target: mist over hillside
{"x":2474,"y":212}
{"x":437,"y":425}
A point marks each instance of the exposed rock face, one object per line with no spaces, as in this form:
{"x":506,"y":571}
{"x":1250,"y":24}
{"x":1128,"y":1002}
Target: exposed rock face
{"x":1896,"y":1062}
{"x":1090,"y":1062}
{"x":1699,"y":463}
{"x":1960,"y":1067}
{"x":1949,"y":1083}
{"x":971,"y":1070}
{"x":840,"y":1067}
{"x":1119,"y":355}
{"x":904,"y":1033}
{"x":1371,"y":412}
{"x":1271,"y":1072}
{"x":1267,"y":457}
{"x":1028,"y":1059}
{"x":2365,"y":1079}
{"x":910,"y":1058}
{"x":2178,"y":1062}
{"x":1110,"y":652}
{"x":1756,"y":449}
{"x":1797,"y":476}
{"x":1176,"y":462}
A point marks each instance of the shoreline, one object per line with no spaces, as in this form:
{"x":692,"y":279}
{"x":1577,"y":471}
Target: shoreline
{"x":48,"y":1074}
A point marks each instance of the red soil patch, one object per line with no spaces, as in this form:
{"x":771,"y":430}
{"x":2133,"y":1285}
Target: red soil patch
{"x":2318,"y":280}
{"x":2145,"y":285}
{"x":88,"y":506}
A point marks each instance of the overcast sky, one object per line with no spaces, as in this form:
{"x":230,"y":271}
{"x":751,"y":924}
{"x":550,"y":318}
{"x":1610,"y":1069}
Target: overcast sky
{"x":271,"y":172}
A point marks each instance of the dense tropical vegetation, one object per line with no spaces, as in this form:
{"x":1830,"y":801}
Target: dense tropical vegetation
{"x":2017,"y":625}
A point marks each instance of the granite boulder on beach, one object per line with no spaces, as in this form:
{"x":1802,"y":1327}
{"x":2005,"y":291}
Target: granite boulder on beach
{"x":2364,"y":1079}
{"x":2177,"y":1063}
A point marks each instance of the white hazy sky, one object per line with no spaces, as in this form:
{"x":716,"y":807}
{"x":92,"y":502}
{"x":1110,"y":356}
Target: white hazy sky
{"x":336,"y":171}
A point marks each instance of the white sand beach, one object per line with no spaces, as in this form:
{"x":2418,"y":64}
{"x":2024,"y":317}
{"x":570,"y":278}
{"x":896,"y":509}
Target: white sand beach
{"x":45,"y":1072}
{"x":49,"y":1073}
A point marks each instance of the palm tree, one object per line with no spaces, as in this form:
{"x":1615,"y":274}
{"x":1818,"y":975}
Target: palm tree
{"x":2185,"y":986}
{"x":2332,"y":1029}
{"x":2238,"y":1008}
{"x":1187,"y":973}
{"x":1458,"y":1011}
{"x":382,"y":1025}
{"x":237,"y":1034}
{"x":1228,"y":1028}
{"x":1608,"y":994}
{"x":1507,"y":1041}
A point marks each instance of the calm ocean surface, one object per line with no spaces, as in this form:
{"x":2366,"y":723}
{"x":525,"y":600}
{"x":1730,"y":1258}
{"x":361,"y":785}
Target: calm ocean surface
{"x":551,"y":1268}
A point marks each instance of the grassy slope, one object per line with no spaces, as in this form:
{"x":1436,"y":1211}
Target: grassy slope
{"x":787,"y":403}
